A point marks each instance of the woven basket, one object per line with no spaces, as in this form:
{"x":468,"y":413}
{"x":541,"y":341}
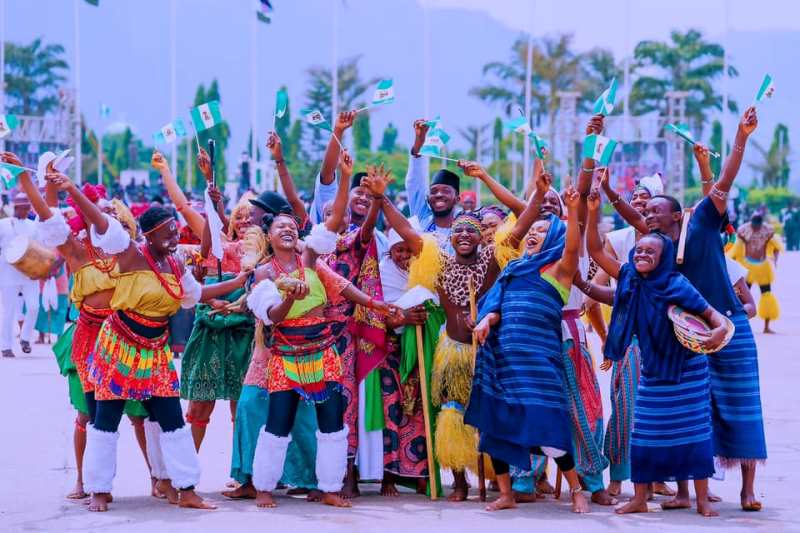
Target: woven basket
{"x":691,"y":330}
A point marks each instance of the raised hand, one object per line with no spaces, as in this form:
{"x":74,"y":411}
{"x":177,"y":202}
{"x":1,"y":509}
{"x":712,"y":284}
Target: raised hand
{"x":593,"y":200}
{"x":471,"y":169}
{"x":749,"y":121}
{"x":345,"y":120}
{"x":420,"y":131}
{"x":204,"y":162}
{"x":543,"y":183}
{"x":571,"y":197}
{"x":61,"y":182}
{"x":595,"y":125}
{"x":702,"y":154}
{"x":159,"y":162}
{"x":215,"y":194}
{"x":345,"y":165}
{"x":378,"y":179}
{"x":274,"y":146}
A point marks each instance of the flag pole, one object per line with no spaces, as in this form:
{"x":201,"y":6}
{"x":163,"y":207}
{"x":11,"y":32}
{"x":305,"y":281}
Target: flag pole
{"x":426,"y":61}
{"x":526,"y":155}
{"x":335,"y":68}
{"x":253,"y":96}
{"x":2,"y":64}
{"x":173,"y":84}
{"x":360,"y":109}
{"x":337,"y":141}
{"x":443,"y":158}
{"x":78,"y":128}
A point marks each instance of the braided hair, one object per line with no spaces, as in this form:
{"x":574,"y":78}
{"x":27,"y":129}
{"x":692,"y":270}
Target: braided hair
{"x":154,"y":217}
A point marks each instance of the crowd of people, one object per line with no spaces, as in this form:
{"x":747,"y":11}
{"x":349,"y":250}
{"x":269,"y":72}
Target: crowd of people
{"x":455,"y":339}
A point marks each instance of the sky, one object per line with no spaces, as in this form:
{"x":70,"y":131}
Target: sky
{"x":125,"y":58}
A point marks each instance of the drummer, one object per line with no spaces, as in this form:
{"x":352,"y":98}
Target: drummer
{"x":13,"y":282}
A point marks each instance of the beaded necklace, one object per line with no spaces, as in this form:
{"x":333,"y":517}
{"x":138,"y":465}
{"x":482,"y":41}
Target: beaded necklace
{"x":173,"y":265}
{"x":280,"y":270}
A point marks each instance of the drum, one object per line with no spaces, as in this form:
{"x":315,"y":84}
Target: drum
{"x":30,"y":257}
{"x":691,"y":330}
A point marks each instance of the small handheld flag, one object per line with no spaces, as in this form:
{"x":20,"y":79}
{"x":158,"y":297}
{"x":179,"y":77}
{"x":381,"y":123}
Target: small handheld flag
{"x":539,"y":146}
{"x":682,"y":131}
{"x":316,"y":119}
{"x":105,"y":111}
{"x":281,"y":103}
{"x":264,"y":9}
{"x":604,"y":105}
{"x":384,"y":93}
{"x":599,"y":148}
{"x":206,"y":116}
{"x":519,"y":125}
{"x":7,"y":123}
{"x":434,"y":123}
{"x":9,"y":173}
{"x":766,"y":90}
{"x":435,"y":142}
{"x":170,"y":133}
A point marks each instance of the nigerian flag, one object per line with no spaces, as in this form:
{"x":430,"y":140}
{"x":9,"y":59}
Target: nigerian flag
{"x":539,"y":145}
{"x":206,"y":116}
{"x":316,"y":119}
{"x":9,"y":173}
{"x":599,"y":148}
{"x":435,"y":142}
{"x":384,"y":93}
{"x":681,"y":130}
{"x":170,"y":133}
{"x":434,"y":123}
{"x":766,"y":90}
{"x":281,"y":103}
{"x":519,"y":125}
{"x":7,"y":123}
{"x":604,"y":105}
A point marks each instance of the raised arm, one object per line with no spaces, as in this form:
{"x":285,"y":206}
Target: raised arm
{"x":538,"y":170}
{"x":417,"y":177}
{"x":334,"y":222}
{"x":586,"y":174}
{"x":176,"y":194}
{"x":594,"y":244}
{"x":328,"y":172}
{"x":377,"y":187}
{"x":568,"y":264}
{"x":368,"y":226}
{"x":37,"y":202}
{"x":719,"y":191}
{"x":531,"y":212}
{"x":276,"y":150}
{"x":702,"y":156}
{"x":506,"y":197}
{"x":628,"y":213}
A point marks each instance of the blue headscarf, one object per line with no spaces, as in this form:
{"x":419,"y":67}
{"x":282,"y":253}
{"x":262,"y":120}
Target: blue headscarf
{"x":551,"y":251}
{"x":640,"y":308}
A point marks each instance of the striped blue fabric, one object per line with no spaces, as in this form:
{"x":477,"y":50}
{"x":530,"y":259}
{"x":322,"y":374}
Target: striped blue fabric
{"x":671,"y":437}
{"x":624,"y":382}
{"x":736,"y":398}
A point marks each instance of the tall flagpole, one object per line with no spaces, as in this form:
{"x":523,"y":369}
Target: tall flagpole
{"x":253,"y":96}
{"x":725,"y":78}
{"x":173,"y":80}
{"x":426,"y":62}
{"x":626,"y":113}
{"x":78,"y":129}
{"x":335,"y":69}
{"x":526,"y":156}
{"x":2,"y":64}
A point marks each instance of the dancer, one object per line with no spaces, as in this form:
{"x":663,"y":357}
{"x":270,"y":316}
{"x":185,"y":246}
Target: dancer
{"x":673,"y":379}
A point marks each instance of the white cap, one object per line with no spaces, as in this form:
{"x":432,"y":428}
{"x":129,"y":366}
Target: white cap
{"x":652,"y":184}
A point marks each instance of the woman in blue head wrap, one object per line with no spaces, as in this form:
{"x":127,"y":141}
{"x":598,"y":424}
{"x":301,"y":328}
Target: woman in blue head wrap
{"x":671,"y":438}
{"x":517,"y":400}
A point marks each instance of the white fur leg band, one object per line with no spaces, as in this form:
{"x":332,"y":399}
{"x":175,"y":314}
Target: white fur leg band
{"x":180,"y":458}
{"x":321,"y":239}
{"x":264,"y":297}
{"x":100,"y":461}
{"x":268,"y":460}
{"x":555,"y":453}
{"x":152,"y":432}
{"x":331,"y":460}
{"x":54,"y":231}
{"x":114,"y":241}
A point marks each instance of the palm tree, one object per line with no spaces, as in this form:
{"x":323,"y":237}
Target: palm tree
{"x":478,"y":140}
{"x":598,"y":68}
{"x":774,"y":168}
{"x":686,"y":63}
{"x":33,"y":75}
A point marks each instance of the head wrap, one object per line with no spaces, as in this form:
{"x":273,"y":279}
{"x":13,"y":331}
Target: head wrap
{"x":469,"y":218}
{"x":469,"y":194}
{"x":493,"y":209}
{"x":640,"y":308}
{"x":446,"y":177}
{"x":652,"y":184}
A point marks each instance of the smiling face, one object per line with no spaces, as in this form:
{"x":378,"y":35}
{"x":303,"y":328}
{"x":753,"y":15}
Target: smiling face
{"x":536,"y":236}
{"x":401,"y":255}
{"x":489,"y":223}
{"x":21,"y":211}
{"x":640,"y":198}
{"x":442,"y":199}
{"x":359,"y":202}
{"x":241,"y":220}
{"x":465,"y":238}
{"x":660,"y":216}
{"x":551,"y":204}
{"x":164,"y":240}
{"x":647,"y":254}
{"x":283,"y":233}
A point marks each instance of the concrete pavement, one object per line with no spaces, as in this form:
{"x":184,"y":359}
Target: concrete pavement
{"x":37,"y":467}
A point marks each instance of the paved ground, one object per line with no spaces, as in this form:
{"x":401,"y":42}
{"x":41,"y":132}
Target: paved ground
{"x":37,"y":467}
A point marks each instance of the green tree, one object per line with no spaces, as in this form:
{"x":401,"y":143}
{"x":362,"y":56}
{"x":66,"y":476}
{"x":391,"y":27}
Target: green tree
{"x":389,"y":140}
{"x":687,"y":62}
{"x":33,"y":74}
{"x":362,"y":138}
{"x":478,"y":139}
{"x":774,"y":167}
{"x":598,"y":68}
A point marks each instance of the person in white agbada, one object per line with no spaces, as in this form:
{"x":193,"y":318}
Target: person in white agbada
{"x":13,"y":282}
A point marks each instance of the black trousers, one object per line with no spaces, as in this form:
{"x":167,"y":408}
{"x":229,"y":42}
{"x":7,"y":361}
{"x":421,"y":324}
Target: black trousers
{"x":283,"y":408}
{"x":164,"y":410}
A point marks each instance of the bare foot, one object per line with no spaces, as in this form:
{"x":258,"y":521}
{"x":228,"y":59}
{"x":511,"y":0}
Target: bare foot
{"x":678,"y":502}
{"x":232,"y":484}
{"x":749,"y":503}
{"x":661,"y":488}
{"x":422,"y":485}
{"x":633,"y":506}
{"x":350,"y":488}
{"x":154,"y":492}
{"x":704,"y":508}
{"x":77,"y":493}
{"x":504,"y":501}
{"x":614,"y":488}
{"x":335,"y":500}
{"x":164,"y":486}
{"x":713,"y":498}
{"x":524,"y":497}
{"x":602,"y":497}
{"x":99,"y":502}
{"x":459,"y":494}
{"x":190,"y":500}
{"x":543,"y":486}
{"x":315,"y":495}
{"x":768,"y":330}
{"x":388,"y":488}
{"x":493,"y":486}
{"x":579,"y":503}
{"x":264,"y":500}
{"x":242,"y":492}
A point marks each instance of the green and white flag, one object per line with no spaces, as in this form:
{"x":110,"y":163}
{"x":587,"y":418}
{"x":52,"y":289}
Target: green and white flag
{"x":281,"y":103}
{"x":519,"y":125}
{"x":170,"y":133}
{"x":599,"y":148}
{"x":434,"y":123}
{"x":206,"y":116}
{"x":682,"y":131}
{"x":105,"y":111}
{"x":9,"y":173}
{"x":7,"y":123}
{"x":384,"y":93}
{"x":604,"y":105}
{"x":316,"y":119}
{"x":435,"y":142}
{"x":539,"y":145}
{"x":766,"y":90}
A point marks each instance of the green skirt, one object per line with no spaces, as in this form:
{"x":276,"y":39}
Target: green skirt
{"x":63,"y":352}
{"x":251,"y":417}
{"x":52,"y":321}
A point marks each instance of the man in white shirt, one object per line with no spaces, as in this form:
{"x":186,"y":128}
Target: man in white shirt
{"x":13,"y":282}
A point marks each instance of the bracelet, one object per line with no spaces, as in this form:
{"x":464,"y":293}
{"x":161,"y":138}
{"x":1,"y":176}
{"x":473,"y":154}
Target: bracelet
{"x":587,"y":169}
{"x":718,"y":193}
{"x":711,"y":180}
{"x":738,"y":148}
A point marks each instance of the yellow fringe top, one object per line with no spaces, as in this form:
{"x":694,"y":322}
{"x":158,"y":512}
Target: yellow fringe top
{"x":424,"y":269}
{"x":504,"y":253}
{"x":89,"y":280}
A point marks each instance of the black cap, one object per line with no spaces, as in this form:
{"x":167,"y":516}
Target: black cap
{"x":272,"y":202}
{"x":355,"y":181}
{"x":446,"y":177}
